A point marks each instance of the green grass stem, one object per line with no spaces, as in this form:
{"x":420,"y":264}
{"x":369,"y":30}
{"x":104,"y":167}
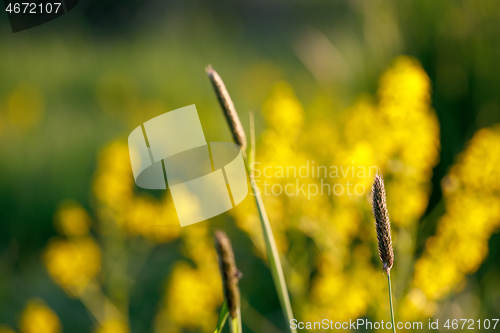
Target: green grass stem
{"x":390,"y":302}
{"x":271,"y":248}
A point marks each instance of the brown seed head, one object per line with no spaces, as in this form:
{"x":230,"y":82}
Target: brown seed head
{"x":229,"y":272}
{"x":228,"y":107}
{"x":382,"y":223}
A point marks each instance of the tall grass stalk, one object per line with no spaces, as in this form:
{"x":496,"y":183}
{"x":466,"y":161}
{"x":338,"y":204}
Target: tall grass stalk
{"x":240,"y":139}
{"x":273,"y":256}
{"x":383,"y":227}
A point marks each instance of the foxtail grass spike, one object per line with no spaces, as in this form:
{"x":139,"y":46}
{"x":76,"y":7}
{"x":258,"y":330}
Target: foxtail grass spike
{"x":228,"y":107}
{"x":382,"y":223}
{"x":229,"y":272}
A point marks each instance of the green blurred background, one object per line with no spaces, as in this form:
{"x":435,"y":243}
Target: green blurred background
{"x":107,"y":66}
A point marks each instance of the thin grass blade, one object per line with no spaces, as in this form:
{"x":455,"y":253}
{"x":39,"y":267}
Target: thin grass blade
{"x":273,"y":255}
{"x":224,"y":314}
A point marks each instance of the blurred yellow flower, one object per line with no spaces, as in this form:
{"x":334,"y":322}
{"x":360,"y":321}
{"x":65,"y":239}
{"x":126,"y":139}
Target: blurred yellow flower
{"x":283,"y":111}
{"x":192,"y":301}
{"x":460,"y":244}
{"x":39,"y":318}
{"x":137,"y":214}
{"x":113,"y":326}
{"x":73,"y":263}
{"x":193,"y":294}
{"x":113,"y":184}
{"x":72,"y":220}
{"x":155,"y":220}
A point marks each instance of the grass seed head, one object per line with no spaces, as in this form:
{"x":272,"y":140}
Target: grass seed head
{"x":228,"y":107}
{"x":229,"y":272}
{"x":382,"y":223}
